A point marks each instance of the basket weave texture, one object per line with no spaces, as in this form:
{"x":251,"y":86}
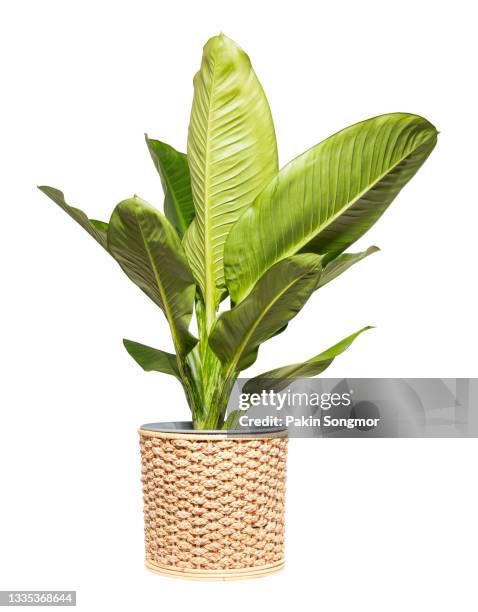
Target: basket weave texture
{"x":213,"y":503}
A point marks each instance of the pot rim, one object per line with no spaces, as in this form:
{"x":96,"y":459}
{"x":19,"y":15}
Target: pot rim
{"x":185,"y":428}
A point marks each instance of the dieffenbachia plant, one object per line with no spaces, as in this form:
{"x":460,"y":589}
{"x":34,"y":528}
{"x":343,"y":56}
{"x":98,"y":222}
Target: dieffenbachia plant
{"x":235,"y":225}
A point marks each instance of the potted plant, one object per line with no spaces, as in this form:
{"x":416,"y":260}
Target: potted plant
{"x":235,"y":226}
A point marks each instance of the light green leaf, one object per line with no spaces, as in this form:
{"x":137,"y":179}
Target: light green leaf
{"x":325,"y":199}
{"x":148,"y":249}
{"x":278,"y":379}
{"x":173,"y":170}
{"x":151,"y":359}
{"x":342,"y":263}
{"x":97,"y":229}
{"x":276,"y":299}
{"x":232,"y":155}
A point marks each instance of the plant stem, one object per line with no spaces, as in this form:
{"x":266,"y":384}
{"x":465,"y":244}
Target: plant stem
{"x":207,"y":370}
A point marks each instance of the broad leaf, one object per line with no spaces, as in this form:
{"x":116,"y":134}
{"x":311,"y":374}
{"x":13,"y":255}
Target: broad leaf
{"x":173,"y":170}
{"x":232,"y":155}
{"x":148,"y":249}
{"x":325,"y":199}
{"x":276,"y":299}
{"x":97,"y":229}
{"x":342,"y":263}
{"x":278,"y":379}
{"x":151,"y":359}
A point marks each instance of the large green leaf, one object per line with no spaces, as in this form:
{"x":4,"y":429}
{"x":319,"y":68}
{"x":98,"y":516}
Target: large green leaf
{"x":342,"y":263}
{"x":232,"y":155}
{"x":278,"y":379}
{"x":335,"y":268}
{"x":151,"y":359}
{"x":148,"y":249}
{"x":173,"y":170}
{"x":96,"y":229}
{"x":328,"y":197}
{"x":276,"y":299}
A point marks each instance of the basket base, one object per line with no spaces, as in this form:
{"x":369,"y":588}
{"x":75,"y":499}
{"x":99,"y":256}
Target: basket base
{"x":237,"y":574}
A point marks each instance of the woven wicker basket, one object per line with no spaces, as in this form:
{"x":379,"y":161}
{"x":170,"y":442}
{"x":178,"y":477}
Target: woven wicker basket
{"x":213,"y":502}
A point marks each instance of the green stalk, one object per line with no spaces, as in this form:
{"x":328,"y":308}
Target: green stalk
{"x":208,"y":371}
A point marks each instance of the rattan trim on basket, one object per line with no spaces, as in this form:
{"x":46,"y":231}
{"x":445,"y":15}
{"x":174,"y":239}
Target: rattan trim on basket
{"x":191,"y":574}
{"x":212,"y":436}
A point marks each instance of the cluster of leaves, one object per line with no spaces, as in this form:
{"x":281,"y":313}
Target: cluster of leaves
{"x":235,"y":225}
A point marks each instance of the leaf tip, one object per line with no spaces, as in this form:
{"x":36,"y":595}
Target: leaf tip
{"x":225,"y":47}
{"x":51,"y":192}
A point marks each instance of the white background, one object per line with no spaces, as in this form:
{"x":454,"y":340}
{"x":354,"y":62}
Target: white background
{"x":372,"y":525}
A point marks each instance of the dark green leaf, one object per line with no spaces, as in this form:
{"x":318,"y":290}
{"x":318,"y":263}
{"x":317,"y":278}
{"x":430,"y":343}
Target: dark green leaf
{"x":278,"y":379}
{"x":232,"y":420}
{"x":151,"y":359}
{"x":276,"y":299}
{"x":97,"y":229}
{"x":342,"y":263}
{"x":148,"y":249}
{"x":100,"y":225}
{"x":173,"y":170}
